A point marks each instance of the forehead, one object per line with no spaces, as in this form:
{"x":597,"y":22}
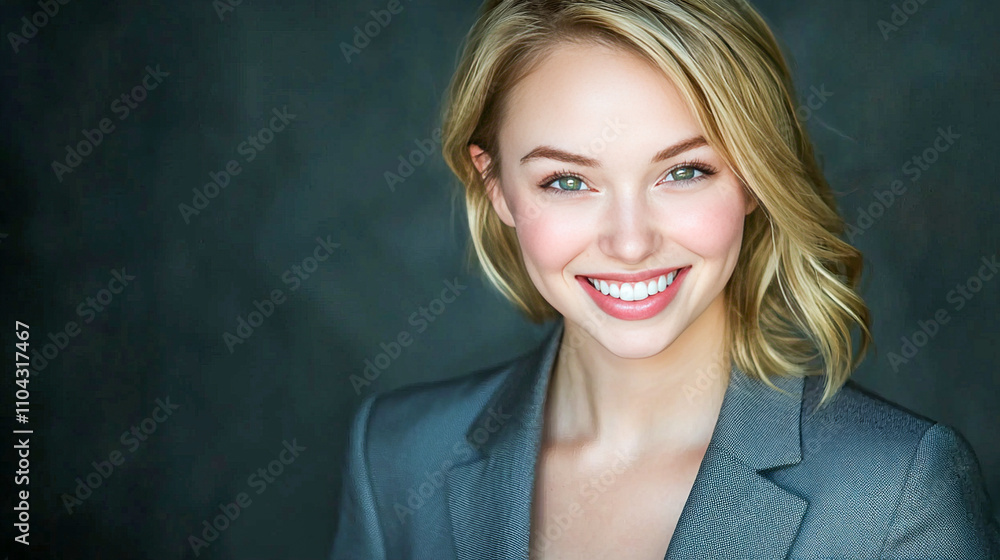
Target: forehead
{"x":577,"y":91}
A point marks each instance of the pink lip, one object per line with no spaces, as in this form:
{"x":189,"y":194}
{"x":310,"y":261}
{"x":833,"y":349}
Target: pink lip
{"x":634,"y":310}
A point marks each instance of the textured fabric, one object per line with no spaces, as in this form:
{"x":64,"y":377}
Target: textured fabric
{"x":445,"y":471}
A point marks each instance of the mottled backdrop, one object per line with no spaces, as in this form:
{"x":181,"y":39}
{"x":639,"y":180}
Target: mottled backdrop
{"x":199,"y":230}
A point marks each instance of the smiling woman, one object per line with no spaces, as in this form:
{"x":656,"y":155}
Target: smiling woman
{"x":636,"y":171}
{"x":658,"y":206}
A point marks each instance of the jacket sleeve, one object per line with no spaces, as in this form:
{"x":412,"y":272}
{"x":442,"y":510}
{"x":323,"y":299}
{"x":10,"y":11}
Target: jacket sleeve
{"x":359,"y":534}
{"x":944,"y":510}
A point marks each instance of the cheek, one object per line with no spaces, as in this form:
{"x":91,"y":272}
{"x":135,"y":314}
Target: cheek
{"x":550,"y":236}
{"x":710,"y":226}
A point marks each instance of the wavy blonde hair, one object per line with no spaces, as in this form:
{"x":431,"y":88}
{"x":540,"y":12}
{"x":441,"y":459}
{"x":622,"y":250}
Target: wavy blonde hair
{"x":792,"y":299}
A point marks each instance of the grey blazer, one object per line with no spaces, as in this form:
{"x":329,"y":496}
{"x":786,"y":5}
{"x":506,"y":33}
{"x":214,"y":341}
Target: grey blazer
{"x":444,"y":471}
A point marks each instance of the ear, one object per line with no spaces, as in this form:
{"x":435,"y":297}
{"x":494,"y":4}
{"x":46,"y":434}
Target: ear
{"x":481,"y":160}
{"x":751,"y":199}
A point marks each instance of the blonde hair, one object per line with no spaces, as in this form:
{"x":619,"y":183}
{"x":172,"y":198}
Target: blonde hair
{"x":793,"y":297}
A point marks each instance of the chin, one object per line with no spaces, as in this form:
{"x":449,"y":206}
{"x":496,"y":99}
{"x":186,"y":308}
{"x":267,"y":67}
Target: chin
{"x":627,"y":340}
{"x":638,"y":349}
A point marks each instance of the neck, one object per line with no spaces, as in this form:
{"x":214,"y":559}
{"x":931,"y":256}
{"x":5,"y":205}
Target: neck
{"x":599,"y":400}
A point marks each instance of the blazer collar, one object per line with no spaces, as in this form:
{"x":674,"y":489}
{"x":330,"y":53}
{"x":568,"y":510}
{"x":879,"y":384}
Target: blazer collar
{"x":732,"y":510}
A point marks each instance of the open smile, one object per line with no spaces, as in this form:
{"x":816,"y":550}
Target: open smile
{"x":634,"y":297}
{"x":634,"y":291}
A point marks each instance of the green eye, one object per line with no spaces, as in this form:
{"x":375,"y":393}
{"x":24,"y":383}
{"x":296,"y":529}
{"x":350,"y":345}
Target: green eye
{"x":683,"y":174}
{"x":568,"y":183}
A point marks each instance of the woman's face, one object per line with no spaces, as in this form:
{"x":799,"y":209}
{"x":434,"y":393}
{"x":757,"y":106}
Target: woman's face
{"x":607,"y":179}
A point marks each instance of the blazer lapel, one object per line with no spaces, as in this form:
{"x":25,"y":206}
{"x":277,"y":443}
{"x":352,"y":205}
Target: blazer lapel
{"x":489,"y":497}
{"x":732,"y":510}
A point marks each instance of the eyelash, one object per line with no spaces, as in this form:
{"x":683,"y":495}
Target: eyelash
{"x":546,"y":183}
{"x":705,"y":169}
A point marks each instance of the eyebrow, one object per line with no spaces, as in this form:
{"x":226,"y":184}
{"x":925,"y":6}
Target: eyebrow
{"x":548,"y":152}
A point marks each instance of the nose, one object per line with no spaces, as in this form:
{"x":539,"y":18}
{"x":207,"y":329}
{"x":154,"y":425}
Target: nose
{"x":629,"y":231}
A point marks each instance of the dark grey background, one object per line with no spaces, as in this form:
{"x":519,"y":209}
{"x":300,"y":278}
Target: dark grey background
{"x":324,"y":176}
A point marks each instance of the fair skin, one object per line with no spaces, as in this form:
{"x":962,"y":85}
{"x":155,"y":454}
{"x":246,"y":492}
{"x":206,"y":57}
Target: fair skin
{"x":635,"y":394}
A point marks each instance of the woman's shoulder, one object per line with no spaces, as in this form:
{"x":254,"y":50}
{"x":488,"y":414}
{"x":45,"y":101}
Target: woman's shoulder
{"x":864,"y":426}
{"x":856,"y":412}
{"x":906,"y":473}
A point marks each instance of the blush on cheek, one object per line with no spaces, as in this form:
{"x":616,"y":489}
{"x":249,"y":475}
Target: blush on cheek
{"x":709,"y":229}
{"x":550,"y":237}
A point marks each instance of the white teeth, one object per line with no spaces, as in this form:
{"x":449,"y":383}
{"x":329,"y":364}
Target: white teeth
{"x":627,"y":292}
{"x":640,"y":292}
{"x":636,"y":291}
